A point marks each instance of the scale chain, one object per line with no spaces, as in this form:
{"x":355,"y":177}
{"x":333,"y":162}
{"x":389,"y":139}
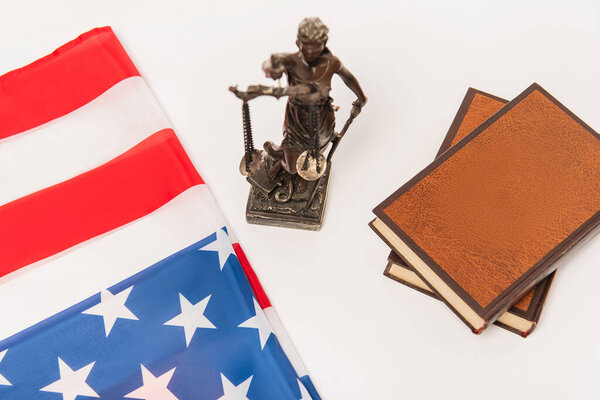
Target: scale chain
{"x":248,"y":139}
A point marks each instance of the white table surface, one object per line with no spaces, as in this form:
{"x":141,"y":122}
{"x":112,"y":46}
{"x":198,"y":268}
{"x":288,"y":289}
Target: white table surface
{"x":363,"y":336}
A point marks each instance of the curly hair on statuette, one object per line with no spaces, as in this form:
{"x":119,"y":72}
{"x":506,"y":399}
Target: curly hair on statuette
{"x":312,"y":29}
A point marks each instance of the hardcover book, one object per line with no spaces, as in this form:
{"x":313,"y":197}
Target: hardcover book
{"x":522,"y":317}
{"x":489,"y":218}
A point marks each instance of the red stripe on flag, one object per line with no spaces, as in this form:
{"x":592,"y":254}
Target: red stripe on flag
{"x":257,"y":288}
{"x":73,"y":75}
{"x":128,"y":187}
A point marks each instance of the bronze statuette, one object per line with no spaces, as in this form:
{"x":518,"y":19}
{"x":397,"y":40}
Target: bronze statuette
{"x":289,"y":182}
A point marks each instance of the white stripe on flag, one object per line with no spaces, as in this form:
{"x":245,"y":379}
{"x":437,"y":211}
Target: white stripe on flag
{"x":285,"y":341}
{"x":70,"y":145}
{"x":54,"y":284}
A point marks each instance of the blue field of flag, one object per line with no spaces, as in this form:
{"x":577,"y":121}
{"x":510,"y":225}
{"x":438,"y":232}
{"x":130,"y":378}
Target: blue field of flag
{"x":185,"y":328}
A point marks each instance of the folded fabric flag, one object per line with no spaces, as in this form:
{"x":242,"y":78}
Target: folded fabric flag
{"x":120,"y":277}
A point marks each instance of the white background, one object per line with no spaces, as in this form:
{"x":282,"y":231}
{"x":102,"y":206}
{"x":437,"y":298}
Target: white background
{"x":363,"y":336}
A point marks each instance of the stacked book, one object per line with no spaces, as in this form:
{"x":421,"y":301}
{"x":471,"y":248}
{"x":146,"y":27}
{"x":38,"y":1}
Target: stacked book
{"x":514,"y":186}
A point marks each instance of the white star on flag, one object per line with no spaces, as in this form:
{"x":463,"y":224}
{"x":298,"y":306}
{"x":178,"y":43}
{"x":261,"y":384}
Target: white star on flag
{"x":3,"y":380}
{"x":304,"y":395}
{"x":111,"y":307}
{"x":71,"y":383}
{"x":191,"y":317}
{"x":260,"y":322}
{"x":222,"y":245}
{"x":154,"y":388}
{"x":232,"y":392}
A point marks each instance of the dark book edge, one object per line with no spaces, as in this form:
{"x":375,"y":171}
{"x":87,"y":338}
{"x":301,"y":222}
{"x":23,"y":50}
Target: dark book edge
{"x":460,"y":116}
{"x":531,"y":277}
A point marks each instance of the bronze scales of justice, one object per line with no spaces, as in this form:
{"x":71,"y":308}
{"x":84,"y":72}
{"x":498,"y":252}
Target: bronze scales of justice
{"x":278,"y":197}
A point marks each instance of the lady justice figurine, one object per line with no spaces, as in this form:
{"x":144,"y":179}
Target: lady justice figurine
{"x":289,"y":181}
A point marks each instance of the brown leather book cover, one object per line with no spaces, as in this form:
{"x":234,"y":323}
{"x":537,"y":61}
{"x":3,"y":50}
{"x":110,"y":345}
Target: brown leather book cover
{"x":523,"y":316}
{"x":490,"y":217}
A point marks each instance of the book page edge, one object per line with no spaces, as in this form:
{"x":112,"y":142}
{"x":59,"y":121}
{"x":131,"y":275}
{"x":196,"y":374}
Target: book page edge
{"x":431,"y":277}
{"x":507,"y":318}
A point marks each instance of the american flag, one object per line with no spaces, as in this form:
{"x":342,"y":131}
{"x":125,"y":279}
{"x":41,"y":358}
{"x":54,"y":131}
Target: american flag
{"x":120,"y":277}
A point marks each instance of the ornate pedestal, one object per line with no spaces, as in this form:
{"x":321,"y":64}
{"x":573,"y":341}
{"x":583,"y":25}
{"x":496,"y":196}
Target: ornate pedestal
{"x":286,"y":206}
